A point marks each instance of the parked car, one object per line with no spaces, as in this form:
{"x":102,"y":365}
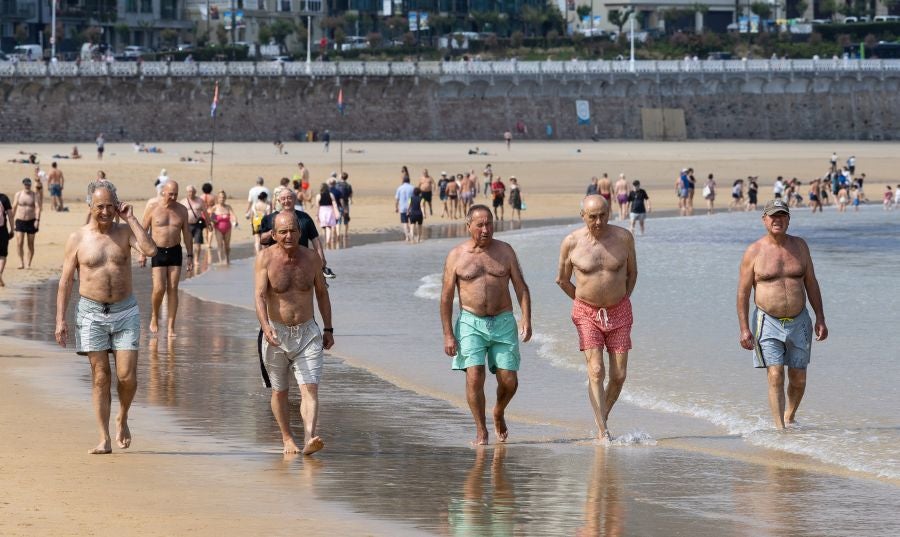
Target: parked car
{"x":135,"y":51}
{"x":180,"y":47}
{"x":719,"y":56}
{"x":26,"y":53}
{"x":851,"y":20}
{"x":282,"y":59}
{"x":354,"y":42}
{"x":886,"y":18}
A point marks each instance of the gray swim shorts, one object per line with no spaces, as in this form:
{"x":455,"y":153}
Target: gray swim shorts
{"x":107,"y":327}
{"x":782,"y":341}
{"x":300,"y":350}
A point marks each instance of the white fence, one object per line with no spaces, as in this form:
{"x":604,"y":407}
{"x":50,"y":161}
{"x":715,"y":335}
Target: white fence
{"x":508,"y":68}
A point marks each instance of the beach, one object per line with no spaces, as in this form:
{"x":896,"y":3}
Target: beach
{"x":397,"y":460}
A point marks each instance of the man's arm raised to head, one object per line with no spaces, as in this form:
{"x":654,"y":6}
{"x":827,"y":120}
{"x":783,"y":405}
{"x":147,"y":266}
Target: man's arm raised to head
{"x":323,"y":300}
{"x":448,"y":289}
{"x":139,"y":238}
{"x":564,"y":274}
{"x":814,"y":293}
{"x":631,"y":264}
{"x":70,"y":264}
{"x":745,"y":285}
{"x":523,"y":295}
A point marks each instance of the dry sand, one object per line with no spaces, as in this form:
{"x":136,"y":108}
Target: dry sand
{"x":553,"y":176}
{"x":60,"y":490}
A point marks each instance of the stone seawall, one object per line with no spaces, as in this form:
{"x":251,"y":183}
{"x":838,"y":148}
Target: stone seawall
{"x":859,"y":105}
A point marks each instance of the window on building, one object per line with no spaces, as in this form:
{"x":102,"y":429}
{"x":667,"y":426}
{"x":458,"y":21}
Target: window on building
{"x":131,"y":6}
{"x":284,"y":5}
{"x":168,"y":9}
{"x":146,"y":6}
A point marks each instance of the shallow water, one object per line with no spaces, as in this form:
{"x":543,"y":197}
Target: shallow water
{"x":398,"y":454}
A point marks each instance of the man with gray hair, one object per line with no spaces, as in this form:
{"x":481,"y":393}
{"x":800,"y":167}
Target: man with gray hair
{"x":254,"y":193}
{"x":107,"y":317}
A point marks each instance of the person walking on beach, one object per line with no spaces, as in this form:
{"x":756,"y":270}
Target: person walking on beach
{"x":328,"y":214}
{"x":167,"y":223}
{"x":779,"y":270}
{"x":752,"y":191}
{"x":253,"y":195}
{"x":499,"y":197}
{"x":326,"y":141}
{"x":592,"y":187}
{"x":401,"y":204}
{"x":426,"y":186}
{"x":442,"y":194}
{"x":101,"y":146}
{"x":6,"y":226}
{"x":223,"y":220}
{"x":453,"y":198}
{"x":709,"y":194}
{"x":515,"y":199}
{"x":56,"y":182}
{"x":468,"y":190}
{"x":507,"y":137}
{"x":416,"y":214}
{"x":107,"y":317}
{"x":604,"y":187}
{"x":602,"y":258}
{"x":198,"y":221}
{"x":620,"y":189}
{"x":346,"y":199}
{"x":481,"y":269}
{"x":737,"y":195}
{"x":286,"y":277}
{"x":640,"y":205}
{"x":27,"y":215}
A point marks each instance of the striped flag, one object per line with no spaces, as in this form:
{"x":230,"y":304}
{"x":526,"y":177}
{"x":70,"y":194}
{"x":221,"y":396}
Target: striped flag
{"x":215,"y":103}
{"x":341,"y":101}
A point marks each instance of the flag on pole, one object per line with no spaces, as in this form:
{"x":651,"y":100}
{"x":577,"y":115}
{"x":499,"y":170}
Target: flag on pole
{"x":215,"y":103}
{"x":341,"y":101}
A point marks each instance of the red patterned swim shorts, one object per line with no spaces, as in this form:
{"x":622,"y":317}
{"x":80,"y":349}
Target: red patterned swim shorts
{"x":603,"y":327}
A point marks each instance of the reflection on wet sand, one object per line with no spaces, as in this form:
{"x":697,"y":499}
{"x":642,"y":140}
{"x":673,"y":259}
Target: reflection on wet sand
{"x":604,"y":512}
{"x":488,"y":502}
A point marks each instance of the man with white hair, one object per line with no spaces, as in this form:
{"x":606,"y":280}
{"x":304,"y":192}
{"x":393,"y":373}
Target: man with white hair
{"x":107,"y":317}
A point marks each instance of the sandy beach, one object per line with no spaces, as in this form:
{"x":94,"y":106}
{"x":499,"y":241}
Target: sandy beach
{"x":201,"y":480}
{"x":553,"y":176}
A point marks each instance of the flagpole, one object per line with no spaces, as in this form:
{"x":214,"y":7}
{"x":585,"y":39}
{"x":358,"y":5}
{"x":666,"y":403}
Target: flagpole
{"x":341,"y":125}
{"x":212,"y":149}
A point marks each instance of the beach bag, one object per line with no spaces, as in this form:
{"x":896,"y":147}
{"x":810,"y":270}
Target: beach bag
{"x":707,"y":192}
{"x":257,"y":221}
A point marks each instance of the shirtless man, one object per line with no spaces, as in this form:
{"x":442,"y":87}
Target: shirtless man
{"x":56,"y":182}
{"x":198,"y":220}
{"x":286,"y":276}
{"x":166,"y":221}
{"x":426,"y":187}
{"x":453,"y":197}
{"x":603,"y":260}
{"x":779,"y":270}
{"x":604,"y":188}
{"x":467,"y":191}
{"x":482,"y":269}
{"x":107,"y":317}
{"x":620,"y":189}
{"x":27,"y":215}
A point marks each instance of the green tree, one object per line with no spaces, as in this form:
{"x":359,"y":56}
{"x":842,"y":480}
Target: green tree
{"x":221,"y":34}
{"x":281,"y":29}
{"x":169,"y":37}
{"x":533,"y":19}
{"x":619,"y":18}
{"x":583,"y":11}
{"x":763,"y":9}
{"x":265,"y":34}
{"x":21,"y":34}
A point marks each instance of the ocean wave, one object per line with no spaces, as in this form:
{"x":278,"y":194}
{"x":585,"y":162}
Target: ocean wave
{"x":430,"y":287}
{"x":548,"y":345}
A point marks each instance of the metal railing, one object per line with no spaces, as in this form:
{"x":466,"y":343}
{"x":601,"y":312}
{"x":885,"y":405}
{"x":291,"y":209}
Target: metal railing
{"x":510,"y":68}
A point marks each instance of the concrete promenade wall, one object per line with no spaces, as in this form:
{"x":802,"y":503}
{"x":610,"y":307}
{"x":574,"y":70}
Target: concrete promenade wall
{"x":719,"y":103}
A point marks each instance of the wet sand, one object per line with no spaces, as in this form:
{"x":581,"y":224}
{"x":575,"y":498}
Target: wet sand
{"x":207,"y":456}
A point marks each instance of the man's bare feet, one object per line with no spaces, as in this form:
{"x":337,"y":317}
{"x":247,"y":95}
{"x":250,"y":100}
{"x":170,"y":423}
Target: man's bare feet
{"x":123,"y":434}
{"x":172,"y":334}
{"x":481,"y":438}
{"x":154,"y":325}
{"x":315,"y":444}
{"x":102,"y":448}
{"x":290,"y":447}
{"x":605,"y":436}
{"x":500,"y":428}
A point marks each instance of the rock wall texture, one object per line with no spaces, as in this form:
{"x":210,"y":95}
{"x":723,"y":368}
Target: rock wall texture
{"x":863,"y":106}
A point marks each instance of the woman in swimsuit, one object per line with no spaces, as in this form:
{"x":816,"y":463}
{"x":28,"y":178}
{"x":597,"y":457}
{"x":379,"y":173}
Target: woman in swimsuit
{"x":209,"y":202}
{"x":223,"y":217}
{"x":328,"y":212}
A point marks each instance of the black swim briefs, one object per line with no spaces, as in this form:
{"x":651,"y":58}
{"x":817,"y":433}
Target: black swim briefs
{"x":167,"y":257}
{"x":26,"y":226}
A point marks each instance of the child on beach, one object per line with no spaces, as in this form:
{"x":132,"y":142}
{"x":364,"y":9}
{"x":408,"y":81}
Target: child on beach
{"x":843,"y":198}
{"x":888,"y":198}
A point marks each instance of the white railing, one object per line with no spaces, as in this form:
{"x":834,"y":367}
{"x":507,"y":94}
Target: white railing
{"x":438,"y":69}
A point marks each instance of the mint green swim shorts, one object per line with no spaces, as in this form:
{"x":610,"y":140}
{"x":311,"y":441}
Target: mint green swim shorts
{"x":496,"y":338}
